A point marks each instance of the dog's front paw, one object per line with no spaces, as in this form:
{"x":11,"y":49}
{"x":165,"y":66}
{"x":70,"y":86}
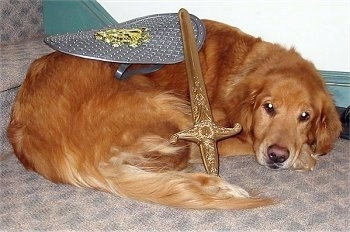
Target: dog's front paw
{"x":306,"y":160}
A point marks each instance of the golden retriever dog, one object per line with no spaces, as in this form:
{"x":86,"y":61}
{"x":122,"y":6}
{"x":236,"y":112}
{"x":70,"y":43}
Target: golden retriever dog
{"x":74,"y":123}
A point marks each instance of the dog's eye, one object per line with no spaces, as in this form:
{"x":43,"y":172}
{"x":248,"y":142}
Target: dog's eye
{"x":304,"y":116}
{"x":269,"y":108}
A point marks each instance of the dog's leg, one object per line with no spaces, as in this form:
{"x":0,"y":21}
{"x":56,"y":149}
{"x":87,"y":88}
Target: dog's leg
{"x":306,"y":160}
{"x":153,"y":153}
{"x":235,"y":146}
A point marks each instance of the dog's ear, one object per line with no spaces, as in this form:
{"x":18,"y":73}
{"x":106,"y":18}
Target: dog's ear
{"x":248,"y":102}
{"x":328,"y":127}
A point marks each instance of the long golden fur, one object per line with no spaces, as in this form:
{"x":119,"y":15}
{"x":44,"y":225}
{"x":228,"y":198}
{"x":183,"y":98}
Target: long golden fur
{"x":74,"y":123}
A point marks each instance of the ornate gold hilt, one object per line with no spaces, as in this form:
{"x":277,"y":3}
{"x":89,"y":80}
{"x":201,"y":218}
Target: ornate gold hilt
{"x":204,"y":132}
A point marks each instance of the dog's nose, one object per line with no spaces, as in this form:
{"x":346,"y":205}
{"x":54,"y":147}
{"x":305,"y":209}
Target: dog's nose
{"x":277,"y":154}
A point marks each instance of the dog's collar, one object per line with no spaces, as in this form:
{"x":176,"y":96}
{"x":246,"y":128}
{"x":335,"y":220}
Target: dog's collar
{"x":161,"y":45}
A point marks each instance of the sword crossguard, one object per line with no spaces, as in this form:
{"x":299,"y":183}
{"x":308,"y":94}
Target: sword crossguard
{"x":206,"y":134}
{"x":206,"y":130}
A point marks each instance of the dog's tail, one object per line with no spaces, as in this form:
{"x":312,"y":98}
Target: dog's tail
{"x":172,"y":188}
{"x":178,"y":189}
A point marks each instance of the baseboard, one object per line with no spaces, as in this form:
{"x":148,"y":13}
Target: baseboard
{"x":344,"y":114}
{"x":339,"y":85}
{"x":61,"y":16}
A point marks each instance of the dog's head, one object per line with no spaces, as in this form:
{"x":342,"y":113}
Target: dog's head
{"x":291,"y":115}
{"x":293,"y":119}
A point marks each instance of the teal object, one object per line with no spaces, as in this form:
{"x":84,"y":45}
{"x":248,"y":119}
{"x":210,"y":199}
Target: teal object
{"x":62,"y":16}
{"x":338,"y":84}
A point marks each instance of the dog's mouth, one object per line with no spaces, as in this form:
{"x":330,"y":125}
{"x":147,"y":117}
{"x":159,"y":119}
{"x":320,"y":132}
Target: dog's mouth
{"x":265,"y":161}
{"x":274,"y":166}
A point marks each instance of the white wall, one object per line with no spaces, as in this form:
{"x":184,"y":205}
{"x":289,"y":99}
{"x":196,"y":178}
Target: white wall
{"x":320,"y":30}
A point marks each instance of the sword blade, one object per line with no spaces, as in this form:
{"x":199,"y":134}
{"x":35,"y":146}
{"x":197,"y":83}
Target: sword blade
{"x":199,"y":99}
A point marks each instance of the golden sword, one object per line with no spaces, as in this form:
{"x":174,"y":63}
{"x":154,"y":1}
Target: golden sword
{"x":204,"y":132}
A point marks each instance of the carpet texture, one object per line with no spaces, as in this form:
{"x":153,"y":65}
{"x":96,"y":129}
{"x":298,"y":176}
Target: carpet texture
{"x":20,"y":20}
{"x":312,"y":201}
